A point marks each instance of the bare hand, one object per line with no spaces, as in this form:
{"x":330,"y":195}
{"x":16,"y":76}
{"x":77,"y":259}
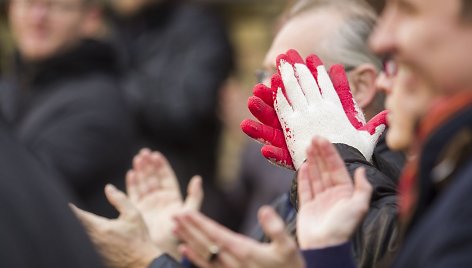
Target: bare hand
{"x":200,"y":234}
{"x":122,"y":242}
{"x":153,"y":188}
{"x":331,"y":206}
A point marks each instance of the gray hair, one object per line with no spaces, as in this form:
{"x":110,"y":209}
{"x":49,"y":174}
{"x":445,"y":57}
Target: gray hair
{"x":348,"y":45}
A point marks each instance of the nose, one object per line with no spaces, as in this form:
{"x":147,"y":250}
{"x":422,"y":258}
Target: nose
{"x":384,"y":83}
{"x":38,"y":11}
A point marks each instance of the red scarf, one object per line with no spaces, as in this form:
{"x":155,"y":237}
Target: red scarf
{"x":445,"y":108}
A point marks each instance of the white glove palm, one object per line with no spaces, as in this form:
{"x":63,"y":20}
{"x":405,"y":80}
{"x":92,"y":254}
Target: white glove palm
{"x":310,"y":108}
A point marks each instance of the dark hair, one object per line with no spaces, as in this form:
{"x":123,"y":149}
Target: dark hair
{"x":466,"y":10}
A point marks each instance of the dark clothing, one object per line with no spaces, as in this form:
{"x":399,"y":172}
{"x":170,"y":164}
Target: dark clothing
{"x":258,"y":183}
{"x":439,"y":230}
{"x":435,"y":192}
{"x":165,"y":261}
{"x":331,"y":257}
{"x":37,"y":228}
{"x":176,"y":57}
{"x":69,"y":113}
{"x":376,"y":239}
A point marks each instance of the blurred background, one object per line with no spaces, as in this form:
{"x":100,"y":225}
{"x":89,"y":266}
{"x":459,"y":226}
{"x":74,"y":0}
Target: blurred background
{"x":249,"y":26}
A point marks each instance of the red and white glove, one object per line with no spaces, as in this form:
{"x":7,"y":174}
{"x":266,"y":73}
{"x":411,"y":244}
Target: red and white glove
{"x":308,"y":103}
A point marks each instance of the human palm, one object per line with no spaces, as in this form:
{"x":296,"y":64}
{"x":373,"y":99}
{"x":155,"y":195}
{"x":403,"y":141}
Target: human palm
{"x":331,"y":205}
{"x":153,"y":188}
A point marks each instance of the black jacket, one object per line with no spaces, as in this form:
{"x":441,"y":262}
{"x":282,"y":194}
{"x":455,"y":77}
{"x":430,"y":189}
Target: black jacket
{"x":377,"y":238}
{"x":440,"y":231}
{"x":68,"y":111}
{"x":37,"y":228}
{"x":176,"y":57}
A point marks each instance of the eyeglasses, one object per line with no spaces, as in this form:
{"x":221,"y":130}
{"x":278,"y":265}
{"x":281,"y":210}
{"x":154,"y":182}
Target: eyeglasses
{"x":52,"y":5}
{"x":390,"y":66}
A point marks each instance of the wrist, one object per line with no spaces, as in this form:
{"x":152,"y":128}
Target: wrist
{"x":321,"y":242}
{"x":146,"y":256}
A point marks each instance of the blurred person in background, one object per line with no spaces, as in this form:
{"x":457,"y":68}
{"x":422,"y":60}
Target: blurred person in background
{"x":344,"y":41}
{"x":61,"y":97}
{"x":37,"y":227}
{"x":177,"y":57}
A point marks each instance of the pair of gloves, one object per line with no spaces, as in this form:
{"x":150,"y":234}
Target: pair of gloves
{"x":304,"y":101}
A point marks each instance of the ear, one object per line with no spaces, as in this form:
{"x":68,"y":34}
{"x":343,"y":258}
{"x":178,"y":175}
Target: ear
{"x":362,"y":82}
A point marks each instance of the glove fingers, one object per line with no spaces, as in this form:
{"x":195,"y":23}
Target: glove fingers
{"x":263,"y":133}
{"x":341,"y":85}
{"x":264,"y":93}
{"x":277,"y":156}
{"x":326,"y":86}
{"x":312,"y":62}
{"x":373,"y":125}
{"x":263,"y":112}
{"x":308,"y":84}
{"x":292,"y":86}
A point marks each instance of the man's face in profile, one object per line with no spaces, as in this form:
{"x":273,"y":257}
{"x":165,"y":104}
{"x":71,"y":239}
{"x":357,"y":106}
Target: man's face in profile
{"x":431,"y":38}
{"x":42,"y":28}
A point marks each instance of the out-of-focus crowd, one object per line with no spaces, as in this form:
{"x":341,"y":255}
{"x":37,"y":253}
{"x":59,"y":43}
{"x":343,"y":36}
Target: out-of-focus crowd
{"x":122,"y":129}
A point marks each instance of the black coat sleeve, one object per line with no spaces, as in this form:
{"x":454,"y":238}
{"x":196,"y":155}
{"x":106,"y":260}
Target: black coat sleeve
{"x":174,"y":88}
{"x":165,"y":261}
{"x":376,"y":239}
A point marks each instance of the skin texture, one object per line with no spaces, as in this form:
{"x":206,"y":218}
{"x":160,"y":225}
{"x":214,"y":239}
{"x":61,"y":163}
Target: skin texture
{"x":41,"y":31}
{"x":331,"y":205}
{"x":430,"y":39}
{"x":154,"y":190}
{"x":122,"y":242}
{"x":199,"y":233}
{"x":407,"y":100}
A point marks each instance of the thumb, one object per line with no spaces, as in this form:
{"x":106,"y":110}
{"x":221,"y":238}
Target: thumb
{"x":362,"y":191}
{"x":377,"y":124}
{"x":273,"y":226}
{"x":89,"y":220}
{"x":194,"y":198}
{"x":278,"y":156}
{"x":120,"y":201}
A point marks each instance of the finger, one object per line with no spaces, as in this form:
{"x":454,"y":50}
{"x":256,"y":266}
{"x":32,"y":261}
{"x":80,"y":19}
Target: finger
{"x":326,"y":86}
{"x":292,"y":88}
{"x":263,"y":112}
{"x":341,"y":85}
{"x":278,"y":156}
{"x":363,"y":190}
{"x":136,"y":161}
{"x":194,"y":257}
{"x":377,"y":123}
{"x":314,"y":175}
{"x":119,"y":201}
{"x":305,"y":193}
{"x":166,"y":177}
{"x":89,"y":220}
{"x":312,"y":63}
{"x":264,"y":93}
{"x":211,"y":229}
{"x":140,"y":172}
{"x":273,"y":226}
{"x":324,"y":175}
{"x":336,"y":172}
{"x":193,"y":236}
{"x":263,"y":133}
{"x":194,"y":194}
{"x":131,"y":186}
{"x":308,"y":84}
